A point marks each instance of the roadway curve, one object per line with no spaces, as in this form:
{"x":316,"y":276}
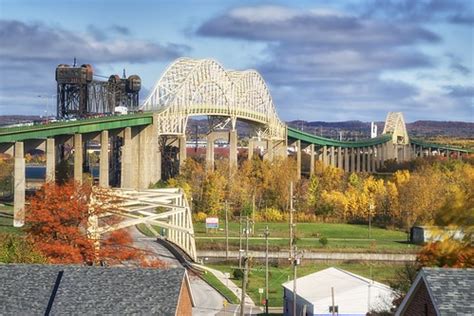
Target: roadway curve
{"x":208,"y":301}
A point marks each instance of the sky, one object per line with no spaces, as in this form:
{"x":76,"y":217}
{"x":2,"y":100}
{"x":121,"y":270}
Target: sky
{"x":321,"y":60}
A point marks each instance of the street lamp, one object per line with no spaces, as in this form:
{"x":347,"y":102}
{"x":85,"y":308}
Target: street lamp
{"x":371,"y":208}
{"x":48,"y":98}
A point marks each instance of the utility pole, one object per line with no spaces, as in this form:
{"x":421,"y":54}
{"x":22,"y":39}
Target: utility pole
{"x":295,"y":264}
{"x":291,"y":220}
{"x":240,"y":241}
{"x":226,"y":232}
{"x":246,"y":259}
{"x":371,"y":208}
{"x":266,"y":233}
{"x":332,"y":297}
{"x":244,"y":287}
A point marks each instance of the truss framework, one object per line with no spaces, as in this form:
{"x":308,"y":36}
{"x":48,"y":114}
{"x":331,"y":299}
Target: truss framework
{"x":166,"y":208}
{"x":191,"y":87}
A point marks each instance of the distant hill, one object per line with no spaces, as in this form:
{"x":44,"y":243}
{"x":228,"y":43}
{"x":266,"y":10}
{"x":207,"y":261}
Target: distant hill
{"x":352,"y":130}
{"x":349,"y":130}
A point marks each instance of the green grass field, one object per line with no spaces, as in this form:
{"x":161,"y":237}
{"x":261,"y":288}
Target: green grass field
{"x":214,"y":282}
{"x":6,"y":219}
{"x":381,"y":272}
{"x":341,"y":237}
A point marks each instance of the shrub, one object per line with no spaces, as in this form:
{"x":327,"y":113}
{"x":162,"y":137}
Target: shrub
{"x":200,"y":217}
{"x":272,"y":215}
{"x":323,"y":241}
{"x":238,"y":274}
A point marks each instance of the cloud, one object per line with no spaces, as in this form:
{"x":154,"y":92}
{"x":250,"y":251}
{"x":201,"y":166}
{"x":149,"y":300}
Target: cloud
{"x":326,"y":29}
{"x":30,"y":52}
{"x":459,"y":91}
{"x":326,"y":62}
{"x":39,"y":42}
{"x":419,"y":11}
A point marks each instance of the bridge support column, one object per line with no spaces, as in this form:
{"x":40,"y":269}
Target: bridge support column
{"x":332,"y":156}
{"x":210,"y":154}
{"x":353,"y":154}
{"x":126,"y":166}
{"x":364,"y":160}
{"x":20,"y":184}
{"x":325,"y":155}
{"x":78,"y":157}
{"x":339,"y":158}
{"x":182,"y":150}
{"x":357,"y":159}
{"x":104,"y":159}
{"x":297,"y":145}
{"x":346,"y":160}
{"x":311,"y":160}
{"x":50,"y":160}
{"x":270,"y":153}
{"x":373,"y":159}
{"x":250,"y":149}
{"x":233,"y":149}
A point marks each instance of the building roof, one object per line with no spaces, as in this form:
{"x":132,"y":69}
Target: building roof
{"x":451,"y":290}
{"x":351,"y":291}
{"x":28,"y":289}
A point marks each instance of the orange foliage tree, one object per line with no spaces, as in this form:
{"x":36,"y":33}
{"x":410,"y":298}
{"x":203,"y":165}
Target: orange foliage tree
{"x":57,"y":222}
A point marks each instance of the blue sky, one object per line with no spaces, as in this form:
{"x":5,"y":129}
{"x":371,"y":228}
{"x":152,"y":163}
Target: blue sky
{"x":322,"y":60}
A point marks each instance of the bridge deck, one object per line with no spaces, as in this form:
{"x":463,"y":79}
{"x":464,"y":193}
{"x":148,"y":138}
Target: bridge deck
{"x":13,"y":134}
{"x":419,"y":142}
{"x":318,"y":140}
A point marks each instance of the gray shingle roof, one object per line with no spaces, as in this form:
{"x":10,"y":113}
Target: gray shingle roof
{"x":452,"y":289}
{"x":26,"y":290}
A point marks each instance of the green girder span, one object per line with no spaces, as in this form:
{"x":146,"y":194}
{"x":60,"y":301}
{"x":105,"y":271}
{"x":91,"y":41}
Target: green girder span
{"x":439,"y":146}
{"x":14,"y":134}
{"x":321,"y":141}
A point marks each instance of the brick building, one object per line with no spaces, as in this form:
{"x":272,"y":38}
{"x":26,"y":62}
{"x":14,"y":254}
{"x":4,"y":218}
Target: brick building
{"x":440,"y":291}
{"x":83,"y":290}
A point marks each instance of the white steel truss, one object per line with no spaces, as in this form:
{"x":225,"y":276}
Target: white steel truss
{"x":166,"y":208}
{"x":191,"y":87}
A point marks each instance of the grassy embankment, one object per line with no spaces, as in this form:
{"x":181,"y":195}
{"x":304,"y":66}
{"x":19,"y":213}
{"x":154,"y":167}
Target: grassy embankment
{"x":6,"y":219}
{"x":340,"y":237}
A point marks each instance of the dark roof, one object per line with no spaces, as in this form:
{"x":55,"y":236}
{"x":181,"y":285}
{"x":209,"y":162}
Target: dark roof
{"x":27,"y":289}
{"x":451,"y":289}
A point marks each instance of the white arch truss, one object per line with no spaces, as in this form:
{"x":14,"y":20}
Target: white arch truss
{"x":192,"y":87}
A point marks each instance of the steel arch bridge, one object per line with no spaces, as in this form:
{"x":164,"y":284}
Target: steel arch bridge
{"x":191,"y":87}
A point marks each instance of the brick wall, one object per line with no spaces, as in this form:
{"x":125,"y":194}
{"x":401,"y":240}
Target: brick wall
{"x":185,"y":306}
{"x":420,"y":302}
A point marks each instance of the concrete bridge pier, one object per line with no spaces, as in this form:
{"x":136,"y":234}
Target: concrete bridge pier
{"x":19,"y":185}
{"x":233,"y":152}
{"x":50,"y":160}
{"x":364,"y":160}
{"x":346,"y":160}
{"x":182,"y":150}
{"x":352,"y":164}
{"x":126,"y":166}
{"x":357,"y":165}
{"x":340,"y":156}
{"x":78,"y":157}
{"x":311,"y":160}
{"x":332,"y":159}
{"x":104,"y":159}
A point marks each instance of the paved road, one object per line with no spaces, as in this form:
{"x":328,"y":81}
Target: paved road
{"x":208,"y":301}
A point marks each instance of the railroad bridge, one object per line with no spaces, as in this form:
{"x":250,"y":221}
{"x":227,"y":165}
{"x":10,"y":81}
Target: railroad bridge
{"x":133,"y":146}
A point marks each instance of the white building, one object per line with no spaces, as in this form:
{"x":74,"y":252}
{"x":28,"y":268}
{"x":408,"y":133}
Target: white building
{"x":353,"y":294}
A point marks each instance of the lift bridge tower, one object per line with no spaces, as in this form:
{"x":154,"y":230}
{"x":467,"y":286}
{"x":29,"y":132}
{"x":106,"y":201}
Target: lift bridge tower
{"x":79,"y":94}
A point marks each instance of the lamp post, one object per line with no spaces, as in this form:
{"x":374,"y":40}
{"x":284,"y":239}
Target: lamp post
{"x":48,"y":98}
{"x":371,"y":208}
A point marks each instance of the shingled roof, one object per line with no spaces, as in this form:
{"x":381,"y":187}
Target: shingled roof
{"x":33,"y":289}
{"x":451,"y":290}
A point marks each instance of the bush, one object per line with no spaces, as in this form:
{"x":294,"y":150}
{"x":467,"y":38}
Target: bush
{"x":272,"y":215}
{"x":323,"y":241}
{"x":16,"y":249}
{"x":238,"y":274}
{"x":200,"y":217}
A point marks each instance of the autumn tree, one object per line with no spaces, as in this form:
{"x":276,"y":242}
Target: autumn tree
{"x":58,"y":218}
